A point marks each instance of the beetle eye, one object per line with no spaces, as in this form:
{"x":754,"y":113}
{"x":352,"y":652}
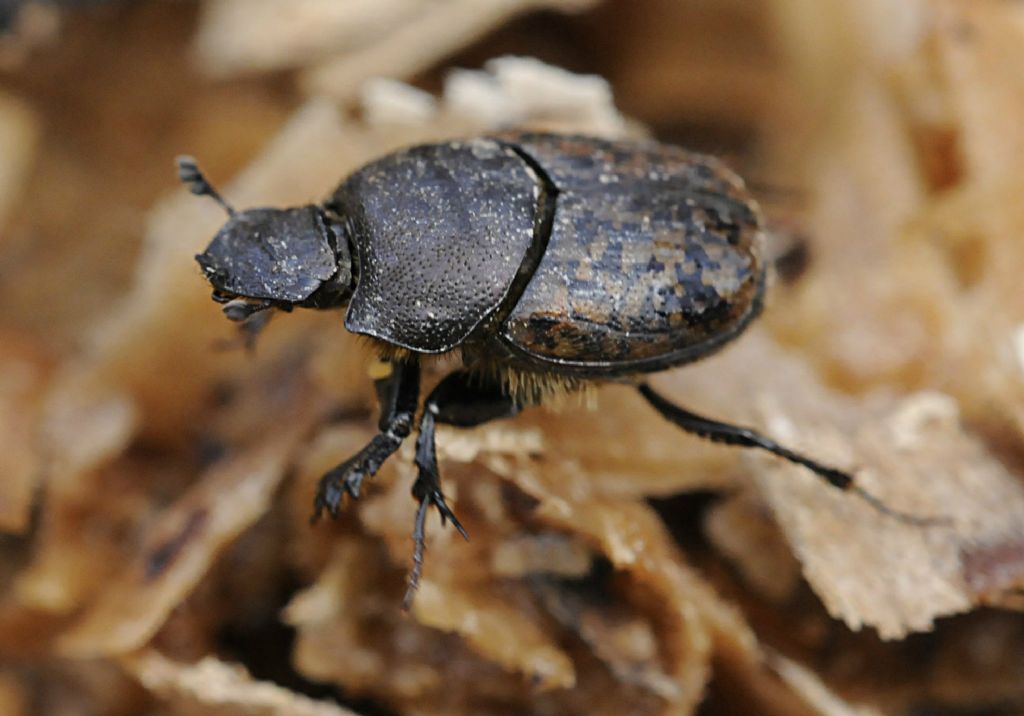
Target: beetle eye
{"x":221,"y":297}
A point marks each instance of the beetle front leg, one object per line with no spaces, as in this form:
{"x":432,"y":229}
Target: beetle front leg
{"x":398,"y":395}
{"x":463,"y":402}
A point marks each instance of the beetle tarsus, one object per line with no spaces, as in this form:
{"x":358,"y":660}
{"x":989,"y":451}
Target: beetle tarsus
{"x":347,"y":478}
{"x":419,"y":546}
{"x":905,"y":517}
{"x":398,"y":394}
{"x":426,"y":490}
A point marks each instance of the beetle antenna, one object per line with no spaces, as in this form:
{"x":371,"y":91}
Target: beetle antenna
{"x":190,"y":175}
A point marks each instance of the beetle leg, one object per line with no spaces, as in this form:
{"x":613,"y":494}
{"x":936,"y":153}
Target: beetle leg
{"x":745,"y":437}
{"x":249,"y":329}
{"x":460,"y":401}
{"x":398,"y":395}
{"x":735,"y":435}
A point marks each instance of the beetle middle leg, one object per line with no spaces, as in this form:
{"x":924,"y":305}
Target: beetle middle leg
{"x":462,"y":401}
{"x":399,"y":395}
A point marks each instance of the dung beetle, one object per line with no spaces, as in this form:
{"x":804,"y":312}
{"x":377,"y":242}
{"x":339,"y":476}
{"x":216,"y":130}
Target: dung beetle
{"x":548,"y":262}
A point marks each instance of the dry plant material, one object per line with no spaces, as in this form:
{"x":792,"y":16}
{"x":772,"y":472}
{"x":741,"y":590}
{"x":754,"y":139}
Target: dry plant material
{"x":211,"y":686}
{"x":181,"y":545}
{"x":717,"y":67}
{"x":898,"y":577}
{"x":28,"y":26}
{"x":343,"y":44}
{"x":553,"y":637}
{"x":24,"y":373}
{"x":742,"y":529}
{"x":13,"y":699}
{"x":814,"y":692}
{"x":19,"y":134}
{"x":179,"y":473}
{"x":916,"y":243}
{"x":915,"y":455}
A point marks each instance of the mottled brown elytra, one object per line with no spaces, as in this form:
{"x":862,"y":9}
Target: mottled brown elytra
{"x":548,"y":262}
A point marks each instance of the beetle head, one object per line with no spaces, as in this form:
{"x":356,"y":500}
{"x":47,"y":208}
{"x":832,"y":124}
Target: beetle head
{"x":273,"y":258}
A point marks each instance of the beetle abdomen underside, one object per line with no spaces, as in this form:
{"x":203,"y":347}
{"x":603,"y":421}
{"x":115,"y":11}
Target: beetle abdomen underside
{"x":440,"y":232}
{"x":654,"y":258}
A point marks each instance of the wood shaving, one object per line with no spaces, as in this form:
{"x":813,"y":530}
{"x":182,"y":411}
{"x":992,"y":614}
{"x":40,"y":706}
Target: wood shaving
{"x":181,"y":545}
{"x":157,"y":555}
{"x":19,"y":134}
{"x":215,"y":687}
{"x":23,"y":377}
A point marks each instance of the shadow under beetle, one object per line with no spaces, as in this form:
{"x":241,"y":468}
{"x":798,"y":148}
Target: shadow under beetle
{"x":548,"y":261}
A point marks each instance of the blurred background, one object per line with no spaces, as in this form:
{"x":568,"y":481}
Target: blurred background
{"x":156,"y":478}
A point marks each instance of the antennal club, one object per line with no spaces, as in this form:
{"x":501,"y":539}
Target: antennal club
{"x":191,"y":176}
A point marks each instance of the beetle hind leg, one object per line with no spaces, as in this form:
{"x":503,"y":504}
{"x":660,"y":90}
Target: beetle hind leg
{"x":460,"y":401}
{"x":719,"y":432}
{"x":745,"y":437}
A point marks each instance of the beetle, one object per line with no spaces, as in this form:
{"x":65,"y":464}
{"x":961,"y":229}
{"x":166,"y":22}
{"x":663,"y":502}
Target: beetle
{"x":549,"y":262}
